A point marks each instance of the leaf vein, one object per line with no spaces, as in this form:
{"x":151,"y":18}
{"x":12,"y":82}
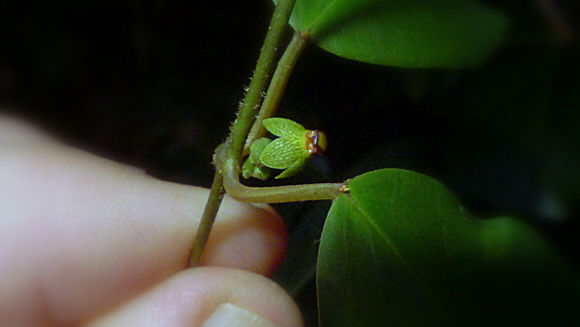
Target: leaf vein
{"x":387,"y":241}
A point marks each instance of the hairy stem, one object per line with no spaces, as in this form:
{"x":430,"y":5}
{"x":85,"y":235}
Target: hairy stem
{"x":277,"y":86}
{"x":209,"y":213}
{"x":262,"y":75}
{"x":246,"y":114}
{"x":229,"y":168}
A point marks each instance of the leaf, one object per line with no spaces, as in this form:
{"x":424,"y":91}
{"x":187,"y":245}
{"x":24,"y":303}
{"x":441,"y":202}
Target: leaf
{"x":402,"y":33}
{"x":282,"y":153}
{"x":283,"y":127}
{"x":400,"y":250}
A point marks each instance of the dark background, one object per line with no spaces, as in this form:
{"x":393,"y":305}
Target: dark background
{"x":155,"y":84}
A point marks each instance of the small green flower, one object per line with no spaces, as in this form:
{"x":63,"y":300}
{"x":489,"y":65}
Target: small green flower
{"x":293,"y":148}
{"x":252,"y":167}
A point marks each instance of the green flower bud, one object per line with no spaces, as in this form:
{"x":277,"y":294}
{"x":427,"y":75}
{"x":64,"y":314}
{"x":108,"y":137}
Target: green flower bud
{"x":293,"y":148}
{"x":252,"y":167}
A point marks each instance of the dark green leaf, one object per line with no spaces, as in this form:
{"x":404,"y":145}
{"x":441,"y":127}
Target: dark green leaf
{"x":400,"y":250}
{"x":403,"y":33}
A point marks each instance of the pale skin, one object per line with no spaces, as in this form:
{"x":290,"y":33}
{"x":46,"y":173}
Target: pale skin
{"x":90,"y":242}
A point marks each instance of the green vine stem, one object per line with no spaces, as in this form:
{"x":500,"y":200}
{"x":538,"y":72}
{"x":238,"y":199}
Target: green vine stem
{"x":277,"y":85}
{"x":260,"y":79}
{"x":213,"y":204}
{"x":229,"y":167}
{"x":246,"y":115}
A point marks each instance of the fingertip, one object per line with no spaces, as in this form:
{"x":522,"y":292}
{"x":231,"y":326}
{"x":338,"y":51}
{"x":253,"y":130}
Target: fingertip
{"x":255,"y":243}
{"x":202,"y":296}
{"x":14,"y":130}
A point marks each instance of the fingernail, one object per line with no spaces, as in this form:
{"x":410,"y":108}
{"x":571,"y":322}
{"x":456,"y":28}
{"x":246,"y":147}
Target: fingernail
{"x":230,"y":315}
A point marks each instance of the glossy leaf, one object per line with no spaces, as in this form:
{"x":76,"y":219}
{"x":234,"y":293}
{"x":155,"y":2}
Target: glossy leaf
{"x":403,"y":33}
{"x":400,"y":250}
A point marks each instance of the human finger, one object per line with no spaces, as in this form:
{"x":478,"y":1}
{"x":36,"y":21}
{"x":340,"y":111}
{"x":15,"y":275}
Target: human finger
{"x":208,"y":297}
{"x":80,"y":234}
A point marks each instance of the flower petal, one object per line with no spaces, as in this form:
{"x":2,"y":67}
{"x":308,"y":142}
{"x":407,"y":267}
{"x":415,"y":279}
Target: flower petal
{"x":283,"y":152}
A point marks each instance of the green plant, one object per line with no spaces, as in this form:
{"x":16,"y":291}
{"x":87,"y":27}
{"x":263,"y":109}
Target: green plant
{"x":397,"y":247}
